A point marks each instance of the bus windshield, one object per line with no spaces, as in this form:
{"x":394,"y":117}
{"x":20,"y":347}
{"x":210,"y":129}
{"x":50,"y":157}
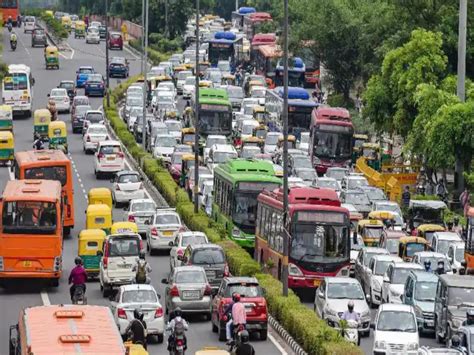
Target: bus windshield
{"x":9,"y":4}
{"x":15,"y":81}
{"x":299,"y":117}
{"x":215,"y":121}
{"x":332,"y":145}
{"x":48,"y":173}
{"x":29,"y":217}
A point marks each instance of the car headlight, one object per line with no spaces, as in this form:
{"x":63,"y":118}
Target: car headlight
{"x":380,"y":344}
{"x":376,"y":285}
{"x":457,"y":322}
{"x":330,"y":311}
{"x":412,"y":346}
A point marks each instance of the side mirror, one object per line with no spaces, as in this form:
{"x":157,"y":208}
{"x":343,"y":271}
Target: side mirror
{"x":367,"y":297}
{"x":372,"y":325}
{"x":171,"y":244}
{"x":164,"y":281}
{"x":100,"y":253}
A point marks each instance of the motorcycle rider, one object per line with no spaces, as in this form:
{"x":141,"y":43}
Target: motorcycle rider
{"x":239,"y":316}
{"x":175,"y":318}
{"x":350,"y":314}
{"x":13,"y":40}
{"x":142,"y":269}
{"x":440,"y":270}
{"x":469,"y":317}
{"x":137,"y":328}
{"x":38,"y":143}
{"x":10,"y":23}
{"x":427,"y":264}
{"x":78,"y":277}
{"x":244,"y":347}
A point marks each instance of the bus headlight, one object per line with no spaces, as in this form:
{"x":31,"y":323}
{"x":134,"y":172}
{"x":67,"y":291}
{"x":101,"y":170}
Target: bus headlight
{"x":344,"y":271}
{"x":294,"y":270}
{"x":236,"y":233}
{"x":1,"y":263}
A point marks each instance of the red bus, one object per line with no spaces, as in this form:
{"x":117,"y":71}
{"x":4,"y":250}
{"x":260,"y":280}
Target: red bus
{"x":331,"y":138}
{"x":9,"y":8}
{"x":320,"y":235}
{"x":266,"y":59}
{"x":253,"y":21}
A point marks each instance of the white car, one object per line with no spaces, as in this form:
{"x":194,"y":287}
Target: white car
{"x":188,"y":87}
{"x":353,"y":181}
{"x":164,"y":147}
{"x":135,"y":90}
{"x":394,"y":281}
{"x":396,"y":330}
{"x":271,"y":142}
{"x":206,"y":187}
{"x":434,"y":258}
{"x":246,"y":129}
{"x":249,"y":152}
{"x":109,"y":158}
{"x":210,"y":141}
{"x":162,"y":230}
{"x":337,"y":173}
{"x":220,"y":153}
{"x":373,"y":277}
{"x":303,"y":143}
{"x":455,"y":255}
{"x":93,"y":35}
{"x":127,"y":185}
{"x":61,"y":99}
{"x":390,"y":206}
{"x":363,"y":259}
{"x":258,"y":92}
{"x":95,"y":133}
{"x":145,"y":298}
{"x":174,"y":128}
{"x":140,"y":211}
{"x":441,"y":240}
{"x":92,"y":116}
{"x":181,"y":242}
{"x":182,"y":76}
{"x":329,"y":183}
{"x":135,"y":113}
{"x":131,"y":101}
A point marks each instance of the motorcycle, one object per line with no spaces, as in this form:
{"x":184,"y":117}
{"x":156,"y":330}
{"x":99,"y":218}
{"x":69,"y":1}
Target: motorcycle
{"x":351,"y":332}
{"x":10,"y":27}
{"x":79,"y":296}
{"x":13,"y":45}
{"x":235,"y":343}
{"x":177,"y":345}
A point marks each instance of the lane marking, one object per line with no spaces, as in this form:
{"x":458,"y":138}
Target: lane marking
{"x":78,"y":176}
{"x":277,"y":344}
{"x":131,"y":52}
{"x":23,"y":44}
{"x":45,"y":298}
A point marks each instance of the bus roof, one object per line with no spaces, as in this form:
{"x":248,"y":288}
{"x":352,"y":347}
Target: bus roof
{"x":53,"y":329}
{"x":263,"y":38}
{"x":225,"y":35}
{"x":247,"y":10}
{"x":271,"y":51}
{"x":295,"y":64}
{"x":18,"y":68}
{"x":332,"y":114}
{"x":41,"y":157}
{"x":32,"y":190}
{"x":248,"y":170}
{"x":293,"y":93}
{"x":213,"y":94}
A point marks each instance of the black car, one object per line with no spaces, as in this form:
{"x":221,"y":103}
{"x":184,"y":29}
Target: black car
{"x":102,"y":31}
{"x":70,"y":86}
{"x":38,"y":38}
{"x":118,"y":67}
{"x":77,"y":118}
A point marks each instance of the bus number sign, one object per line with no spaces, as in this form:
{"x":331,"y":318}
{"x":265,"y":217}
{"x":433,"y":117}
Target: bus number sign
{"x":220,"y":108}
{"x":322,"y":217}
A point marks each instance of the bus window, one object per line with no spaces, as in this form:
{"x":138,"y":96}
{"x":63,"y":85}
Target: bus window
{"x":48,"y":173}
{"x":34,"y":217}
{"x":15,"y":82}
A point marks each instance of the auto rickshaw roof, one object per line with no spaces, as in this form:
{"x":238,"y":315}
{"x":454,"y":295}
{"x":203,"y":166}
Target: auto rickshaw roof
{"x":188,"y":130}
{"x":291,"y":138}
{"x":258,"y":109}
{"x":100,"y":191}
{"x":129,"y":227}
{"x":408,"y":239}
{"x":6,"y":135}
{"x":51,"y":49}
{"x":252,"y":139}
{"x":430,"y":228}
{"x":361,"y":136}
{"x":382,"y":215}
{"x":92,"y":234}
{"x":98,"y":208}
{"x":188,"y":157}
{"x":370,"y":223}
{"x":429,"y":204}
{"x":371,"y":145}
{"x":57,"y":124}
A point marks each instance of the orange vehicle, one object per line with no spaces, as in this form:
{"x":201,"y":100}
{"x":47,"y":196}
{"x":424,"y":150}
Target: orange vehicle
{"x":58,"y":329}
{"x":469,"y":251}
{"x":11,"y":9}
{"x":31,"y":235}
{"x":49,"y":165}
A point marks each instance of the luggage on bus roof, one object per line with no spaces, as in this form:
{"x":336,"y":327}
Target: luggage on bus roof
{"x":294,"y":93}
{"x":246,"y":10}
{"x":225,"y":35}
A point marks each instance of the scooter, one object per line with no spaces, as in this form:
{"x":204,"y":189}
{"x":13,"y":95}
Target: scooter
{"x":178,"y":344}
{"x":79,"y":296}
{"x":13,"y":45}
{"x":351,"y":332}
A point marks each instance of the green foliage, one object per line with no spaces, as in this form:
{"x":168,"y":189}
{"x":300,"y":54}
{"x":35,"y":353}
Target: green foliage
{"x":158,"y":42}
{"x":55,"y":26}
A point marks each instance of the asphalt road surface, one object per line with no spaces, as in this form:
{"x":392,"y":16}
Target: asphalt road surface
{"x":28,"y":293}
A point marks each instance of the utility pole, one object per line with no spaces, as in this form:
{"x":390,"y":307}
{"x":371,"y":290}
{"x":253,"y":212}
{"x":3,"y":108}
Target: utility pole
{"x":145,"y":83}
{"x":107,"y":51}
{"x":196,"y":115}
{"x":285,"y":152}
{"x":236,"y":5}
{"x":143,"y":35}
{"x":166,"y":19}
{"x":461,"y":84}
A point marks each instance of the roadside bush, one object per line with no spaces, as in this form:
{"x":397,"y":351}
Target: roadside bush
{"x":54,"y":26}
{"x":154,"y":55}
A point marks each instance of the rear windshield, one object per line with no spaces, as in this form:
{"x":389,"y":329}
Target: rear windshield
{"x":115,"y":36}
{"x":193,"y":239}
{"x":244,"y":289}
{"x":128,"y":178}
{"x":143,"y":206}
{"x":208,"y":256}
{"x":86,"y":70}
{"x":167,"y":219}
{"x":67,"y":85}
{"x":83,"y":101}
{"x":139,"y":296}
{"x":110,"y":149}
{"x":95,"y":117}
{"x":122,"y":246}
{"x":48,"y":173}
{"x":189,"y":277}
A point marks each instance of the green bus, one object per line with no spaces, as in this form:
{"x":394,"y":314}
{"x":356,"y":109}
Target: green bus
{"x":237,"y":183}
{"x":215,"y":112}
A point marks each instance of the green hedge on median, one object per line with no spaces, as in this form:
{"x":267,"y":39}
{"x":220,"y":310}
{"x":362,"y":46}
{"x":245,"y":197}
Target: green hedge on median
{"x":55,"y":26}
{"x":313,"y":334}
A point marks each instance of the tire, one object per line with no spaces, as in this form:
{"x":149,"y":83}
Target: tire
{"x":263,"y":334}
{"x":222,"y":335}
{"x":54,"y":282}
{"x":105,"y":291}
{"x":160,"y":338}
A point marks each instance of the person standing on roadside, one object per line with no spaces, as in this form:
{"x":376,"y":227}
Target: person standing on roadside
{"x":465,"y":199}
{"x":406,"y":196}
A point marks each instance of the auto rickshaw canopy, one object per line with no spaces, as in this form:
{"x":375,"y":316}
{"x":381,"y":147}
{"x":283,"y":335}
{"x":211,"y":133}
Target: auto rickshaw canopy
{"x":100,"y":195}
{"x":404,"y":242}
{"x":57,"y":129}
{"x":99,"y":216}
{"x":51,"y":51}
{"x":124,"y":227}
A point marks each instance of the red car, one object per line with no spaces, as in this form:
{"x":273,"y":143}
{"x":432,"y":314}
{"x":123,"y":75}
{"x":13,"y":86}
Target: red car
{"x":115,"y":40}
{"x":255,"y":305}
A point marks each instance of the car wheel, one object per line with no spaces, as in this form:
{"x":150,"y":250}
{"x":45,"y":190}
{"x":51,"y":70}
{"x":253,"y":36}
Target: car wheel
{"x":159,"y":338}
{"x":263,"y":334}
{"x":222,"y":335}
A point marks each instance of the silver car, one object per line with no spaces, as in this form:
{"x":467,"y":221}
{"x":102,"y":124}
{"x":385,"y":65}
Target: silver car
{"x":140,"y":211}
{"x":187,"y":287}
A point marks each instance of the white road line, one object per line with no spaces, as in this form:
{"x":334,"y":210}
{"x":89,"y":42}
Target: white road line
{"x":277,"y":344}
{"x":23,"y":44}
{"x":62,"y":55}
{"x":45,"y":298}
{"x":129,"y":51}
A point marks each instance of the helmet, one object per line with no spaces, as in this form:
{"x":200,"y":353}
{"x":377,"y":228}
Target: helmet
{"x":141,"y":255}
{"x":350,"y":305}
{"x":178,"y":312}
{"x":244,"y":336}
{"x":236,"y":297}
{"x":137,"y":313}
{"x":455,"y":341}
{"x":427,"y":263}
{"x":78,"y":260}
{"x":470,"y":316}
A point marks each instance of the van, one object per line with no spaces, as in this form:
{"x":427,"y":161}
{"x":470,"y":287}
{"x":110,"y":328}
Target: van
{"x":120,"y":254}
{"x":454,"y":297}
{"x":441,"y":241}
{"x":420,"y":292}
{"x":29,"y":24}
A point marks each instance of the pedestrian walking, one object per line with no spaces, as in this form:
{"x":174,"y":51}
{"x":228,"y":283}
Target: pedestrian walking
{"x":406,"y":196}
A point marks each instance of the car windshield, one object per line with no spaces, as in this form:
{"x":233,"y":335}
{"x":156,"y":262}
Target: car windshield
{"x":396,"y":321}
{"x":400,"y":275}
{"x":143,"y":206}
{"x":97,"y":130}
{"x":81,"y":110}
{"x":222,"y":157}
{"x":247,"y":129}
{"x":193,"y":240}
{"x":375,"y":194}
{"x":86,"y":70}
{"x":304,"y":138}
{"x":244,"y":290}
{"x":307,"y":175}
{"x":223,"y":66}
{"x":392,"y":245}
{"x":122,"y":246}
{"x":190,"y":277}
{"x":301,"y":162}
{"x":208,"y":256}
{"x":355,"y":183}
{"x":357,"y":198}
{"x":95,"y":117}
{"x":173,"y":126}
{"x":167,"y":219}
{"x":373,"y":232}
{"x":391,"y":207}
{"x":67,"y":85}
{"x":139,"y":296}
{"x":443,"y":246}
{"x":190,"y":80}
{"x":329,"y":184}
{"x":134,"y":101}
{"x":434,"y":262}
{"x":128,"y":178}
{"x":184,"y":75}
{"x":344,"y":290}
{"x":32,"y":217}
{"x":94,"y":77}
{"x":258,"y":93}
{"x":250,"y":152}
{"x":165,"y":141}
{"x":235,"y":92}
{"x":425,"y":291}
{"x":336,"y":174}
{"x":381,"y":266}
{"x":460,"y":296}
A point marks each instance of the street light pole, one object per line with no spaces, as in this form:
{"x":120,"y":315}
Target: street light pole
{"x":145,"y":83}
{"x":143,"y":35}
{"x":196,"y":116}
{"x":236,"y":5}
{"x":166,"y":19}
{"x":285,"y":151}
{"x":107,"y":50}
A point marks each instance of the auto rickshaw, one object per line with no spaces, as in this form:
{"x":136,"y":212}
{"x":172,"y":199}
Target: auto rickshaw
{"x":386,"y":217}
{"x":188,"y":135}
{"x":228,"y":79}
{"x":291,"y":142}
{"x":205,"y":84}
{"x":211,"y":350}
{"x":66,"y":22}
{"x":51,"y":57}
{"x":100,"y":195}
{"x":408,"y":246}
{"x":57,"y":134}
{"x":260,"y":131}
{"x":7,"y":147}
{"x":251,"y":84}
{"x":134,"y":349}
{"x":259,"y":114}
{"x":90,"y":245}
{"x":179,"y":68}
{"x":42,"y":119}
{"x":124,"y":227}
{"x":252,"y":142}
{"x":371,"y":230}
{"x":359,"y":139}
{"x":425,"y":212}
{"x":6,"y":118}
{"x":80,"y":29}
{"x":428,"y":230}
{"x":99,"y":216}
{"x":372,"y":152}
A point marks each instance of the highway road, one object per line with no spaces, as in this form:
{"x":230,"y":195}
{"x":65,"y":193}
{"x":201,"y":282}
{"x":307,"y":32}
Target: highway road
{"x":28,"y":293}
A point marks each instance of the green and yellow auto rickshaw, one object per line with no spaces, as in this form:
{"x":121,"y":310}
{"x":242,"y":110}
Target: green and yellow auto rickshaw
{"x":6,"y":118}
{"x":51,"y":57}
{"x":42,"y":119}
{"x":7,"y":147}
{"x":80,"y":29}
{"x":57,"y":134}
{"x":90,"y":245}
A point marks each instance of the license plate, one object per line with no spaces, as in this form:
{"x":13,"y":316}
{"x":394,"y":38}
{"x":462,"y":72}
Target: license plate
{"x":110,"y":158}
{"x":168,"y":233}
{"x":210,"y":274}
{"x":125,"y":266}
{"x":317,"y":282}
{"x":430,"y":323}
{"x":191,"y":294}
{"x":27,"y":263}
{"x":179,"y":348}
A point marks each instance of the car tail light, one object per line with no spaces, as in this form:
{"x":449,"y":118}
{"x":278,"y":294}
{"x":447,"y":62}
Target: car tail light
{"x":100,"y":156}
{"x":88,"y":138}
{"x":154,"y":231}
{"x":120,"y":155}
{"x":131,"y":218}
{"x":121,"y":313}
{"x":180,"y":252}
{"x":174,"y":291}
{"x":159,"y":312}
{"x":105,"y":261}
{"x":208,"y":290}
{"x":226,"y":270}
{"x":179,"y":342}
{"x":117,"y":188}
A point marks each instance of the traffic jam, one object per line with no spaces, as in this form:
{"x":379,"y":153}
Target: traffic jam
{"x":378,"y":260}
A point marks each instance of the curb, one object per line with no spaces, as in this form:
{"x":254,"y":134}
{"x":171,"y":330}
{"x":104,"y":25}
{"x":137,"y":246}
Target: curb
{"x":136,"y":52}
{"x":49,"y":37}
{"x":286,"y":336}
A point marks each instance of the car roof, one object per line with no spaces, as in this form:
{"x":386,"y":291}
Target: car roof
{"x":127,"y":172}
{"x":135,"y":287}
{"x":109,"y":142}
{"x":141,"y":200}
{"x":191,"y":233}
{"x":425,"y":254}
{"x":336,"y":279}
{"x":424,"y":276}
{"x":387,"y":257}
{"x":404,"y":265}
{"x":457,"y":280}
{"x":396,"y":307}
{"x":223,"y":148}
{"x":95,"y":125}
{"x":375,"y":249}
{"x":447,"y":235}
{"x":206,"y":246}
{"x":188,"y":267}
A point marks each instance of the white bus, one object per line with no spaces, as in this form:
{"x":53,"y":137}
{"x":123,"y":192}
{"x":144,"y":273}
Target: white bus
{"x":17,"y":89}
